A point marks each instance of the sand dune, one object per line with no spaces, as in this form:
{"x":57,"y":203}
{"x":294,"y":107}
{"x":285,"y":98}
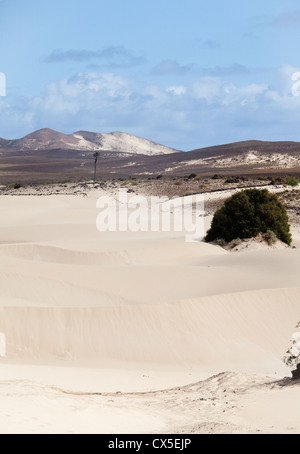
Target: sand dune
{"x":138,"y":312}
{"x":168,"y":269}
{"x":226,"y":329}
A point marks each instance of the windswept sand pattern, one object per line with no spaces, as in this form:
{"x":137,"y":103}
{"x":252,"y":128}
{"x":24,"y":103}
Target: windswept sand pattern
{"x":224,"y":403}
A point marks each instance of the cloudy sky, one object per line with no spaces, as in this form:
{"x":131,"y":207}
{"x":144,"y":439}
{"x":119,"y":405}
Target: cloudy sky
{"x":185,"y":74}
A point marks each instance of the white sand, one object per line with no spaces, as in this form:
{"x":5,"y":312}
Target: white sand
{"x":90,"y":312}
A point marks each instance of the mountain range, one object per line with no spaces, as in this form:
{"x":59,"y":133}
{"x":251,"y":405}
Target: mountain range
{"x":48,"y":155}
{"x":116,"y":142}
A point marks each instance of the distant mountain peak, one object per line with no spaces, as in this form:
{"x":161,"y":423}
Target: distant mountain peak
{"x":118,"y":142}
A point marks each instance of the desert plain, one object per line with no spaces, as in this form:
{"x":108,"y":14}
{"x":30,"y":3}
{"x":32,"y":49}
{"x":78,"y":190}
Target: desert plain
{"x":141,"y":332}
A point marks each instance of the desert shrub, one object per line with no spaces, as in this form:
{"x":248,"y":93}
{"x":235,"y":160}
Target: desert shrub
{"x":292,"y":357}
{"x":291,"y":181}
{"x":270,"y":237}
{"x":17,"y":186}
{"x":232,"y":180}
{"x":234,"y":243}
{"x":248,"y":213}
{"x":192,"y":176}
{"x":277,"y":180}
{"x":220,"y":242}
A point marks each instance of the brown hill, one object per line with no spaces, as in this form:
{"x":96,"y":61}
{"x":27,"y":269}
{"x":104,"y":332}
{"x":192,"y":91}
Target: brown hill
{"x":47,"y":155}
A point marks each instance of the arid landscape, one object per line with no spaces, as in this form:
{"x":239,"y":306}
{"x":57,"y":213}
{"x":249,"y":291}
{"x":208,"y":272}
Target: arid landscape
{"x":150,"y":220}
{"x":125,"y":332}
{"x":49,"y":156}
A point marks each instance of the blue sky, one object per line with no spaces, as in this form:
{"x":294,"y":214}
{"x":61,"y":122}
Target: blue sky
{"x":183,"y":73}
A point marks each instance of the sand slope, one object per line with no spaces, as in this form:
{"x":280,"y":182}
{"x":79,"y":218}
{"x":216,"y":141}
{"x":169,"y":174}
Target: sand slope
{"x":227,"y":329}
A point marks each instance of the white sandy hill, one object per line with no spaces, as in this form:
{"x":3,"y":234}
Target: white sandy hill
{"x":117,"y":142}
{"x":253,"y":157}
{"x":84,"y":311}
{"x":120,"y":142}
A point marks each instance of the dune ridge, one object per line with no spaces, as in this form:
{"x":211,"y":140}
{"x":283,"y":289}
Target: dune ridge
{"x":187,"y":332}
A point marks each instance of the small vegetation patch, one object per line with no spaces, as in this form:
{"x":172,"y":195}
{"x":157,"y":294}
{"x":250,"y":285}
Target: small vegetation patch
{"x":291,"y":181}
{"x":248,"y":213}
{"x":270,"y":237}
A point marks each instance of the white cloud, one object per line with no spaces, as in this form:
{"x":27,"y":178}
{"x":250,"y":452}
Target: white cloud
{"x":176,"y":90}
{"x":204,"y":111}
{"x":284,"y":82}
{"x":207,"y":88}
{"x":86,"y":91}
{"x":248,"y":94}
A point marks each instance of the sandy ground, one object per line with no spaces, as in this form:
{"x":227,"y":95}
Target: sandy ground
{"x":124,"y":332}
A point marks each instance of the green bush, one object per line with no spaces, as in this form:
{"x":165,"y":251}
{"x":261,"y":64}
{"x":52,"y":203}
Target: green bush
{"x":291,"y":181}
{"x":248,"y":213}
{"x":232,"y":180}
